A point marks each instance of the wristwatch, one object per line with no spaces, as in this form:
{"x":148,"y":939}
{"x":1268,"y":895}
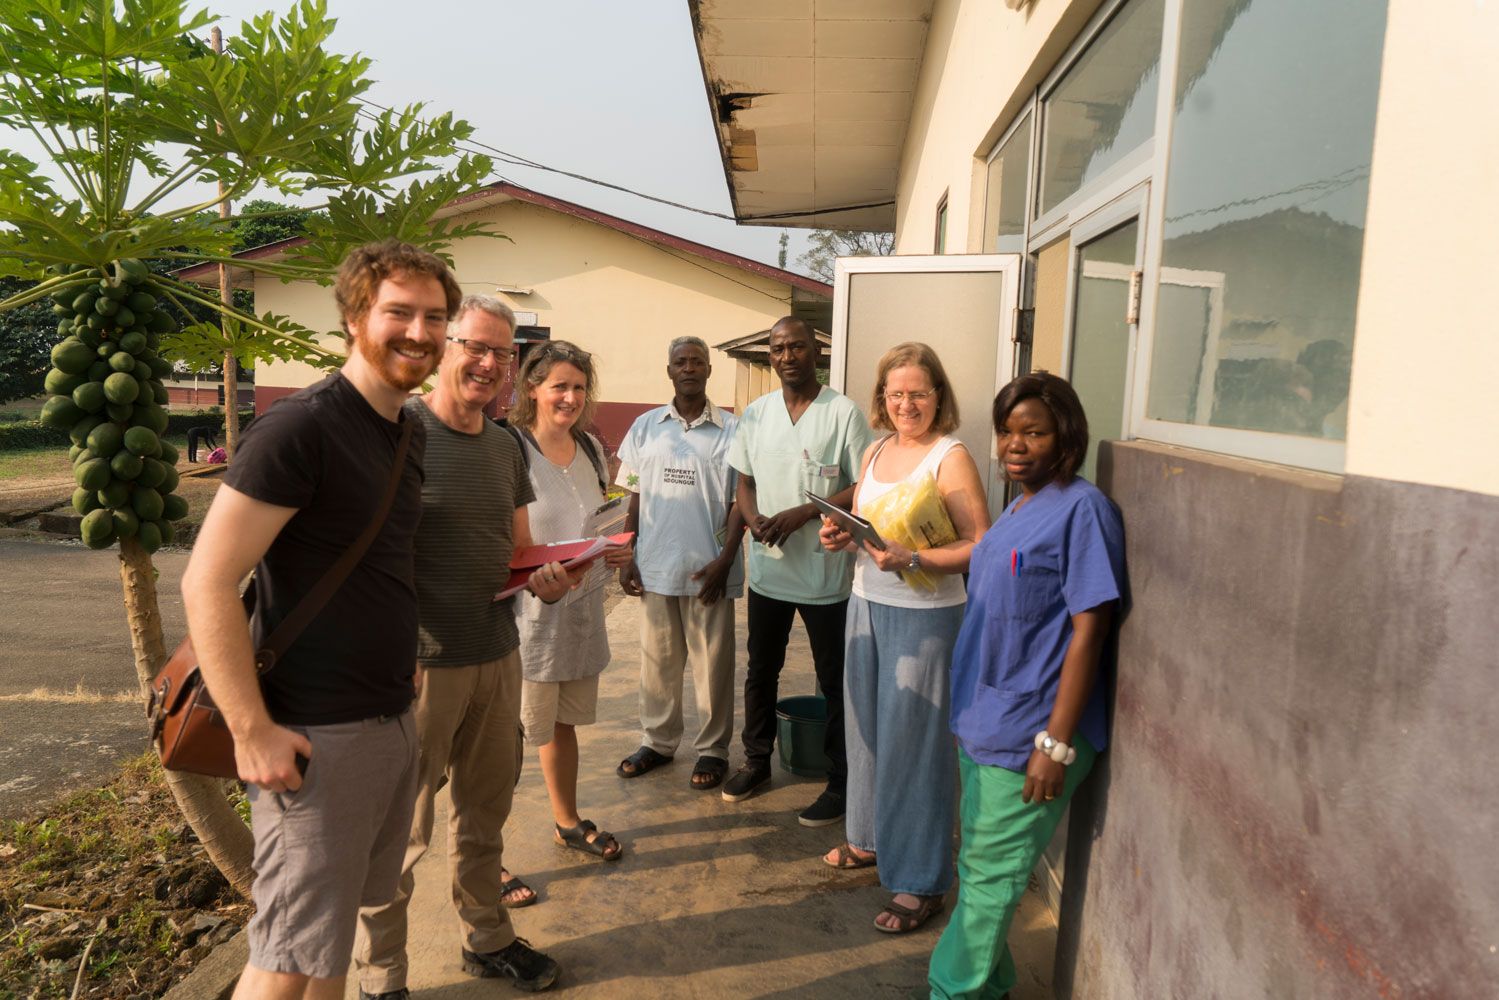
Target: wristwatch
{"x":914,"y":566}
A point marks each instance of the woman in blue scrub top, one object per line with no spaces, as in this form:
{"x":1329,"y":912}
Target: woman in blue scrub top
{"x":1027,"y":710}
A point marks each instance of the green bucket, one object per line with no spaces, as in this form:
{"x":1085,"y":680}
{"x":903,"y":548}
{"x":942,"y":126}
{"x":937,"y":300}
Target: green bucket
{"x":802,"y":725}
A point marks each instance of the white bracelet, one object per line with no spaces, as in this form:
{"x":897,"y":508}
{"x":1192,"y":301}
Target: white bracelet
{"x":1055,"y":749}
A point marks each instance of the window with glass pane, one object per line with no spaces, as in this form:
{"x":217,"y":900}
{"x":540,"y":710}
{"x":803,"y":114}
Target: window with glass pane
{"x":1103,"y":108}
{"x":1265,"y":199}
{"x":1004,"y":193}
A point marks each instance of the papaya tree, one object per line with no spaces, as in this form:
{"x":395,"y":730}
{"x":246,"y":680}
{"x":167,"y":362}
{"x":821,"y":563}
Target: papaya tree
{"x":144,"y":130}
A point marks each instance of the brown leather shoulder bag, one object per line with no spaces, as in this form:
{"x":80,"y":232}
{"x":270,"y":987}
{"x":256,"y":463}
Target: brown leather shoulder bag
{"x":187,"y":727}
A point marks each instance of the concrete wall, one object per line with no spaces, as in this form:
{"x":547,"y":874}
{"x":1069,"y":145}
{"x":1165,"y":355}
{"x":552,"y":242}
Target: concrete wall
{"x":618,"y":297}
{"x":1299,"y":800}
{"x":1426,"y":321}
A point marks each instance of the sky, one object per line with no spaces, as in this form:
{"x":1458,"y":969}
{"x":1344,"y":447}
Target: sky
{"x":602,"y":88}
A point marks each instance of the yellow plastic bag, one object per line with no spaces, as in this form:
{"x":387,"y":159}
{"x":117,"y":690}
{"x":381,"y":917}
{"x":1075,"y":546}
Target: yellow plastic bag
{"x":914,"y":516}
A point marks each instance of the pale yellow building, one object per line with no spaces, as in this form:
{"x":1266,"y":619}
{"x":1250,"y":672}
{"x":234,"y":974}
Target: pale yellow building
{"x":619,"y":290}
{"x":1254,"y":234}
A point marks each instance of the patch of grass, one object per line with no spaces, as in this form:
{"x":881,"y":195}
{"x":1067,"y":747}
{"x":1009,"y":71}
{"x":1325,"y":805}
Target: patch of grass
{"x":120,"y":854}
{"x":35,"y":463}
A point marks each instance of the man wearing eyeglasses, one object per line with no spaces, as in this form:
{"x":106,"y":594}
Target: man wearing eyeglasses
{"x":474,"y":501}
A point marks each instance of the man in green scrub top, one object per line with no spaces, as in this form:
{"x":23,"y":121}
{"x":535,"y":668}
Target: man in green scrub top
{"x":804,"y":437}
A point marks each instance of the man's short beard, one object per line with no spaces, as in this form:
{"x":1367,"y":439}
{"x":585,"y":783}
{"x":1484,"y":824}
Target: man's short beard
{"x":378,"y":354}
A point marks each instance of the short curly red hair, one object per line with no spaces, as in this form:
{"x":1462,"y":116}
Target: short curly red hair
{"x":360,"y":274}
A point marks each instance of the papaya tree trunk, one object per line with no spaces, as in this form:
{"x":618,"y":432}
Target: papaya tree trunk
{"x":219,"y":828}
{"x":231,"y":404}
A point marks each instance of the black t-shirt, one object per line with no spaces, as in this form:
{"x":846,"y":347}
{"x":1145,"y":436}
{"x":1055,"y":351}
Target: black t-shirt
{"x":325,"y":451}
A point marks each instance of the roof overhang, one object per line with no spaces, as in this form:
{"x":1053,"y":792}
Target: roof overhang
{"x":811,"y":100}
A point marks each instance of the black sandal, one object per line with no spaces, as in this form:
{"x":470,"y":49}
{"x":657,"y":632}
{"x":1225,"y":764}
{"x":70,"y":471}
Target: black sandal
{"x":514,"y":884}
{"x":641,"y":762}
{"x":576,"y":837}
{"x":714,"y":767}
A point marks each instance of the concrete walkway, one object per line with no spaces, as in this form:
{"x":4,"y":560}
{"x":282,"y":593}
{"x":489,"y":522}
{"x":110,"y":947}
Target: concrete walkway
{"x":712,"y":899}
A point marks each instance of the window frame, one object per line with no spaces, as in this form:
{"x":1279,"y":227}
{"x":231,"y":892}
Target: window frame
{"x":1147,"y":164}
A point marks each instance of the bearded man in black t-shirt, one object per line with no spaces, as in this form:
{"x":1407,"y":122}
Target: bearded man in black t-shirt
{"x":326,"y":740}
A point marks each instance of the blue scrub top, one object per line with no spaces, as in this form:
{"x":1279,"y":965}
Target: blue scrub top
{"x":1060,"y":554}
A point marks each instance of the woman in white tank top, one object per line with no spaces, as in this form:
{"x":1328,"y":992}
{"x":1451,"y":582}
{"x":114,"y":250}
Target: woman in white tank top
{"x":901,"y":773}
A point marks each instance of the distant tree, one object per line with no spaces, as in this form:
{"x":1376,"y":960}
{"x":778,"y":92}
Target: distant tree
{"x":830,"y":244}
{"x":261,"y":221}
{"x":26,"y":338}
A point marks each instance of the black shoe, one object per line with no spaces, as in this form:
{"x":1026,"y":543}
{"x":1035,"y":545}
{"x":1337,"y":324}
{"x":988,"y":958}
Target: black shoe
{"x":746,"y":781}
{"x":401,"y":994}
{"x":827,"y":810}
{"x":518,"y":961}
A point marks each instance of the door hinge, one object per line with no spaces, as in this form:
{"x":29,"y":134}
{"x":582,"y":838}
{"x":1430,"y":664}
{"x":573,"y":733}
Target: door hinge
{"x":1025,"y":325}
{"x":1132,"y":309}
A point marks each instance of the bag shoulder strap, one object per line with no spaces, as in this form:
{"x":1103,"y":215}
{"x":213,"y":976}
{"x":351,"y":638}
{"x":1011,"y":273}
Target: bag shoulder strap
{"x":277,"y":643}
{"x":520,"y":442}
{"x":583,"y":441}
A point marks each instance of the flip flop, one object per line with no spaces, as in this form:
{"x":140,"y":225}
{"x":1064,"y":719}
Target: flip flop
{"x":576,"y":837}
{"x":511,"y":885}
{"x":641,"y":762}
{"x":849,"y":859}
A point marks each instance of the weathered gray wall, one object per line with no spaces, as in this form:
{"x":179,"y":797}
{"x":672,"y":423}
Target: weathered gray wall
{"x":1302,"y":796}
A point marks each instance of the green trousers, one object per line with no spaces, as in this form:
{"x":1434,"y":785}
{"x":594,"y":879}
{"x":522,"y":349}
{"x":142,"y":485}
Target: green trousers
{"x":1003,"y":838}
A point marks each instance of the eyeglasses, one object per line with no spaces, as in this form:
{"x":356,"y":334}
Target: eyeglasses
{"x":475,"y":349}
{"x":916,"y":397}
{"x":561,"y":351}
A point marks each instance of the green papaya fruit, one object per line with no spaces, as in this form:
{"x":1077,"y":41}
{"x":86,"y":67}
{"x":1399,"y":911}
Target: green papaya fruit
{"x":122,"y":361}
{"x":92,"y":338}
{"x":161,"y":367}
{"x":162,"y":323}
{"x":168,"y":452}
{"x":149,"y":535}
{"x":169,"y":481}
{"x":106,"y":439}
{"x":61,"y":412}
{"x":116,"y":493}
{"x":159,"y":393}
{"x":84,"y":454}
{"x":83,"y":302}
{"x":72,"y":356}
{"x":74,"y":451}
{"x":152,"y":472}
{"x":105,"y":349}
{"x":174,"y":507}
{"x":97,"y":322}
{"x":93,"y":474}
{"x":120,"y":413}
{"x":65,"y":327}
{"x":133,"y":342}
{"x":114,"y":290}
{"x":131,"y":270}
{"x":147,"y":503}
{"x":120,"y":388}
{"x":90,"y":396}
{"x":104,"y":305}
{"x":142,"y":441}
{"x":124,"y":319}
{"x":60,"y":383}
{"x":84,"y":500}
{"x":97,"y":529}
{"x":152,"y":416}
{"x":80,"y":431}
{"x":126,"y":523}
{"x":168,"y":531}
{"x":99,"y":371}
{"x":141,"y":302}
{"x":125,"y":465}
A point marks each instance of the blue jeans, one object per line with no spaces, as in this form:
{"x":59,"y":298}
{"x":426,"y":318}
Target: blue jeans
{"x":901,"y":764}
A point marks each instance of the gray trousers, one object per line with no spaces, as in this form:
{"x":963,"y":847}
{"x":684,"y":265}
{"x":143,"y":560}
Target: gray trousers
{"x":674,"y":630}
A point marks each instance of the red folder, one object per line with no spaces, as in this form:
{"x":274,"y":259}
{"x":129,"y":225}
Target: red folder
{"x":570,"y":554}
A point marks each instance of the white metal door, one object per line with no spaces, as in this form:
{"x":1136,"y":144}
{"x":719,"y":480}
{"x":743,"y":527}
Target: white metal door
{"x":962,"y":306}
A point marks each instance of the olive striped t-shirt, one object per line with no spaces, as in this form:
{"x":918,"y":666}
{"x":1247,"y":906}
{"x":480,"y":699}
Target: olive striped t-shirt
{"x":474,"y":484}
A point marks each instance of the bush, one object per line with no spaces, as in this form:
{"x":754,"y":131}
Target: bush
{"x":29,"y":434}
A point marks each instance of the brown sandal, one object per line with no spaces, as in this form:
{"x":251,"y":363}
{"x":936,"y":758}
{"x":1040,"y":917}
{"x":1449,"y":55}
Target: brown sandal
{"x":848,"y":858}
{"x":909,"y":919}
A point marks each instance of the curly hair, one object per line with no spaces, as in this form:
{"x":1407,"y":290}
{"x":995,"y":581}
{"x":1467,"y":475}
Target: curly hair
{"x":534,"y":371}
{"x":360,"y":274}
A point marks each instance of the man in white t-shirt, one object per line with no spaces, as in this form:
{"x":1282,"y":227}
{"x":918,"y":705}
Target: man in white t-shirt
{"x":674,"y":461}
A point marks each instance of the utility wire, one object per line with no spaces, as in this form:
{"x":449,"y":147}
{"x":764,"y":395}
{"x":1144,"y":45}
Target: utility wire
{"x":516,"y":160}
